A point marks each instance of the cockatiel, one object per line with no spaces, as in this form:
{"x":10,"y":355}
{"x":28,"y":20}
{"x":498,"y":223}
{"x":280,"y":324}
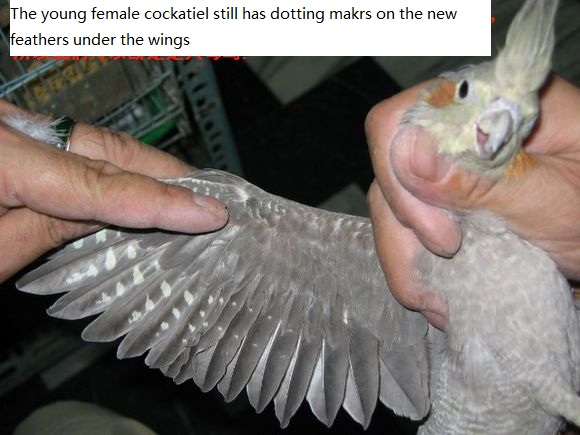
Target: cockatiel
{"x":290,"y":302}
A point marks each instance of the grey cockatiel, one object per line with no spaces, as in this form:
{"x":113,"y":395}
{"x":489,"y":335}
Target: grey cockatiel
{"x":290,"y":302}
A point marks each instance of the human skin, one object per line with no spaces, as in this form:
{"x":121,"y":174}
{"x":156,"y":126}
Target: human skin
{"x":48,"y":196}
{"x":415,"y":188}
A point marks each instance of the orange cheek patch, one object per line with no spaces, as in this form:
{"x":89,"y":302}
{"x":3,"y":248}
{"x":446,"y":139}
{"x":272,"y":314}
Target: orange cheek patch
{"x":442,"y":95}
{"x":521,"y":163}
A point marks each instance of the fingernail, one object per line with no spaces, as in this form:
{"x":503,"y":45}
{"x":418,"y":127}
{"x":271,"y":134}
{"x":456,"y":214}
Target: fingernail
{"x":210,"y":204}
{"x":415,"y":152}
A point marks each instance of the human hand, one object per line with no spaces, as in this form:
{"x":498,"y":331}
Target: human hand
{"x":48,"y":197}
{"x":414,"y":188}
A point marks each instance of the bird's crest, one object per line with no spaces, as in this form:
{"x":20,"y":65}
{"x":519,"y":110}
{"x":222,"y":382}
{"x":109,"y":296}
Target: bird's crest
{"x":525,"y":61}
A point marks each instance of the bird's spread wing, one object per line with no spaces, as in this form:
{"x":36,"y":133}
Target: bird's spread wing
{"x":287,"y":300}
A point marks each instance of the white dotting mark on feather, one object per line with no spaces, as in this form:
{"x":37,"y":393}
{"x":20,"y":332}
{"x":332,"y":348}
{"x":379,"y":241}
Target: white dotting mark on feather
{"x":75,"y":277}
{"x":79,"y":244}
{"x":137,"y":275}
{"x":157,"y":265}
{"x":205,"y":324}
{"x":188,"y":297}
{"x":110,"y":261}
{"x":345,"y":317}
{"x":221,"y":301}
{"x":131,"y":252}
{"x":101,"y":236}
{"x":104,"y":298}
{"x":234,"y":304}
{"x":184,"y":341}
{"x":120,"y":289}
{"x":176,"y":313}
{"x":93,"y":271}
{"x":202,"y":314}
{"x":166,"y":289}
{"x":135,"y":315}
{"x":210,"y":300}
{"x":164,"y":326}
{"x":191,"y":327}
{"x":220,"y":329}
{"x":149,"y":305}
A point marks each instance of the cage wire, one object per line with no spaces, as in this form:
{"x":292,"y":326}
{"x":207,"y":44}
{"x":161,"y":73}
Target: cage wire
{"x":159,"y":102}
{"x":163,"y":103}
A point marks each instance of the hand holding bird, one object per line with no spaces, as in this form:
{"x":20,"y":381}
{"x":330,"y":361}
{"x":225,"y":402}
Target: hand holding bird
{"x":408,"y":205}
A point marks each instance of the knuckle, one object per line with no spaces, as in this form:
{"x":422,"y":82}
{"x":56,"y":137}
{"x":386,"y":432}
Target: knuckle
{"x":373,"y":194}
{"x":376,"y":115}
{"x":412,"y":299}
{"x":58,"y":231}
{"x":124,"y":148}
{"x":373,"y":118}
{"x":116,"y":146}
{"x":98,"y":177}
{"x":98,"y":172}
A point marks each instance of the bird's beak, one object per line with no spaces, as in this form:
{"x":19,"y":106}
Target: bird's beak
{"x":495,"y":127}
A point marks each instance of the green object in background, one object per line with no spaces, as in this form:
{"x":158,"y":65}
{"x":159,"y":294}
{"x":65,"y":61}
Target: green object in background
{"x":156,"y":106}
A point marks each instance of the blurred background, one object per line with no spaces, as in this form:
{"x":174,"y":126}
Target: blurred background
{"x":293,"y":126}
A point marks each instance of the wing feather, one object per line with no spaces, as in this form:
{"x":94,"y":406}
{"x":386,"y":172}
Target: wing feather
{"x":363,"y":381}
{"x":287,"y":301}
{"x":281,"y":352}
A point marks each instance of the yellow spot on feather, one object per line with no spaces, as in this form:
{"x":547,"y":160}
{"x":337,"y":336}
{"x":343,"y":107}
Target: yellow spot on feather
{"x":522,"y":162}
{"x":442,"y":95}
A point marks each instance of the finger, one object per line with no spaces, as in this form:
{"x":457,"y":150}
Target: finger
{"x":7,"y":108}
{"x":397,"y":248}
{"x":72,"y":187}
{"x":121,"y":149}
{"x":31,"y":234}
{"x":559,"y":106}
{"x":435,"y":227}
{"x":126,"y":152}
{"x":417,"y":166}
{"x":430,"y":177}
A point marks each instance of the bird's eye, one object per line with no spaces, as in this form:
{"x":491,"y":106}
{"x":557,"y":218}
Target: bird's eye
{"x":463,"y":89}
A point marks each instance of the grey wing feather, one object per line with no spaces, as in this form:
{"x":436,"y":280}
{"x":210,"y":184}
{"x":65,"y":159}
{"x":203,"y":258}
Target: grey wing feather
{"x":327,"y":389}
{"x":362,"y":385}
{"x":287,"y":301}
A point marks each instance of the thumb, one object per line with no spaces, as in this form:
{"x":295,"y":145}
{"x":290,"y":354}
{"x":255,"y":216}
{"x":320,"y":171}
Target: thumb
{"x":439,"y":183}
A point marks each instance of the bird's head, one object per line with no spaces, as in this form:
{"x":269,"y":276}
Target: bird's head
{"x":480,"y":115}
